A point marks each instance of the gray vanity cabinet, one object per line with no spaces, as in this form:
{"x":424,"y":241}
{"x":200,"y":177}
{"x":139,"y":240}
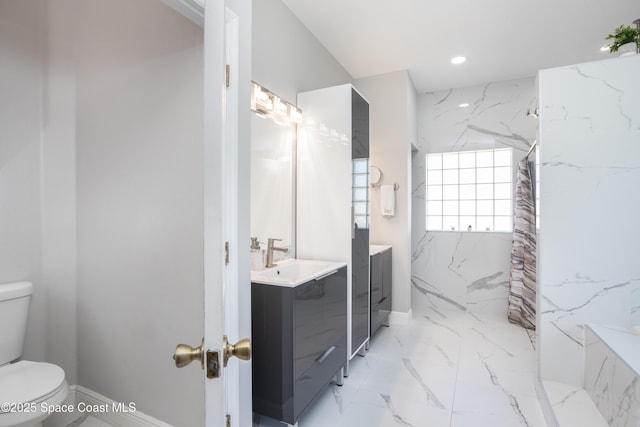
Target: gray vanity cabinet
{"x":381,"y":277}
{"x":299,"y":337}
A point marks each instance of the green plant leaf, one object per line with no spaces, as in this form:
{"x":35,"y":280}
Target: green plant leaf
{"x":622,"y":35}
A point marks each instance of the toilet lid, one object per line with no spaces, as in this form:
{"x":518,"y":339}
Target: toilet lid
{"x":26,"y":381}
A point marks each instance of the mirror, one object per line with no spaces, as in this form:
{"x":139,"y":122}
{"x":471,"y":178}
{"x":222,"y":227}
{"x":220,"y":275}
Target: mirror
{"x":273,"y":148}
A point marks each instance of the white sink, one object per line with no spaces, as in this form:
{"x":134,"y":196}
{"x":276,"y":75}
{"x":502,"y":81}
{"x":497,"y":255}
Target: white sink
{"x":294,"y":272}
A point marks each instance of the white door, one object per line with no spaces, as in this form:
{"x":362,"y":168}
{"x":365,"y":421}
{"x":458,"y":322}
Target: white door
{"x":237,"y":385}
{"x":222,"y":395}
{"x":214,"y":253}
{"x":223,"y":389}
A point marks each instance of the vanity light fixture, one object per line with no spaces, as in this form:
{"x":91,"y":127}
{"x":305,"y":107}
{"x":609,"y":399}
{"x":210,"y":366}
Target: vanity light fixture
{"x":267,"y":104}
{"x":458,"y":60}
{"x":279,"y":113}
{"x":463,"y":105}
{"x":295,"y":114}
{"x":261,"y":102}
{"x":279,"y":107}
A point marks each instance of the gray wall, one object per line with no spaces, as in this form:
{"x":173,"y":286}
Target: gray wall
{"x":466,"y":270}
{"x":59,"y":190}
{"x":393,"y":118}
{"x":139,"y":124}
{"x":286,"y":57}
{"x":37,"y":174}
{"x":21,"y":76}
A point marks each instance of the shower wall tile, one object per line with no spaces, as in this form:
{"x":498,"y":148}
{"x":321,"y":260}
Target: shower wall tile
{"x":462,"y":272}
{"x":496,"y":117}
{"x":589,"y":179}
{"x":609,"y":381}
{"x":458,"y":270}
{"x":623,"y":409}
{"x":597,"y":364}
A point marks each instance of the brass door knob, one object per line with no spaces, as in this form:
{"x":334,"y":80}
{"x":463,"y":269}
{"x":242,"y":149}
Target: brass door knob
{"x":241,"y":350}
{"x":186,"y":354}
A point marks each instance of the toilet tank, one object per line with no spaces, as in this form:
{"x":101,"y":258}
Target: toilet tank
{"x":14,"y":309}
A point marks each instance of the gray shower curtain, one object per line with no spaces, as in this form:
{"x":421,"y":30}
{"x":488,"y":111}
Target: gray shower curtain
{"x":522,"y":277}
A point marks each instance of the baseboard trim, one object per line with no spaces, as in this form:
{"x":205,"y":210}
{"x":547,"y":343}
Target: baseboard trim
{"x":400,"y":318}
{"x":113,"y":416}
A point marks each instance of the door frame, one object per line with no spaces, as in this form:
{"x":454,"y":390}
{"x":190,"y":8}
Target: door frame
{"x":238,"y":293}
{"x":230,"y":212}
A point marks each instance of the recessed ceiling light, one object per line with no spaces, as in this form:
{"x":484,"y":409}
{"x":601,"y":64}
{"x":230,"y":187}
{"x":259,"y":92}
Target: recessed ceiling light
{"x":605,"y":48}
{"x":458,"y":60}
{"x":463,"y":105}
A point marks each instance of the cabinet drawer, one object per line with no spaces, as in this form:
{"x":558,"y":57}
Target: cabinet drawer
{"x":312,"y":334}
{"x":315,"y":379}
{"x":320,"y":319}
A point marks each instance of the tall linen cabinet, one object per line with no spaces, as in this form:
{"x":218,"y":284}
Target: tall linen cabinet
{"x":332,"y":217}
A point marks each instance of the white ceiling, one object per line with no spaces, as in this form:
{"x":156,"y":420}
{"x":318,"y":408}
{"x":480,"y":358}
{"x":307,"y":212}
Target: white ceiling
{"x":502,"y":39}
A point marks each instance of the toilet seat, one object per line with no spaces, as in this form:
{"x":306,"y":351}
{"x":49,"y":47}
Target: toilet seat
{"x":30,"y":382}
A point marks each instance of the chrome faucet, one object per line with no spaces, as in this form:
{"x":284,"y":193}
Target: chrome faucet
{"x":270,"y":249}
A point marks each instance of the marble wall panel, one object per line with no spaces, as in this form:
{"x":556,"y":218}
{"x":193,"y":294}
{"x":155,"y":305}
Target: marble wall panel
{"x":466,"y":270}
{"x":589,"y":178}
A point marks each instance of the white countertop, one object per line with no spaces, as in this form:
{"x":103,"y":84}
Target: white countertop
{"x":293,"y":272}
{"x":374,"y":249}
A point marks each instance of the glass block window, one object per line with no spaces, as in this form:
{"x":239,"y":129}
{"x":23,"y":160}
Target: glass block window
{"x":470,"y":190}
{"x":360,"y":192}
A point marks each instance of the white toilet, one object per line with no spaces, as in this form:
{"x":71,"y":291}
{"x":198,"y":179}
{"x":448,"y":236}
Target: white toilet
{"x":24,"y":385}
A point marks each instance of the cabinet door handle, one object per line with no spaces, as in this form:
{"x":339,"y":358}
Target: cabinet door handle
{"x":353,"y":222}
{"x":325,"y":275}
{"x":326,"y":354}
{"x":380,"y":302}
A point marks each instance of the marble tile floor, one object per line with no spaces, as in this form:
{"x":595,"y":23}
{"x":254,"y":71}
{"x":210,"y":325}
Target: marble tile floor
{"x":450,"y":369}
